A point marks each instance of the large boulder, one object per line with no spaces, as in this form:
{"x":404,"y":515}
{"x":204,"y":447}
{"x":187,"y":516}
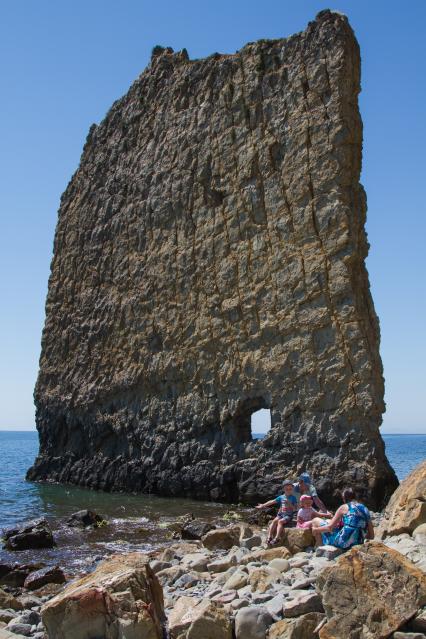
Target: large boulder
{"x":222,"y":538}
{"x":49,"y":575}
{"x":297,"y":539}
{"x":14,"y":575}
{"x":199,"y":619}
{"x":121,"y":599}
{"x":31,"y":534}
{"x":369,"y":592}
{"x":8,"y":601}
{"x":195,"y":529}
{"x":84,"y":519}
{"x":266,"y":554}
{"x":302,"y":627}
{"x":302,"y":604}
{"x":252,"y":622}
{"x":406,"y":509}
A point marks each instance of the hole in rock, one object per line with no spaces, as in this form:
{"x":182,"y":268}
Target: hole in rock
{"x":260,"y":423}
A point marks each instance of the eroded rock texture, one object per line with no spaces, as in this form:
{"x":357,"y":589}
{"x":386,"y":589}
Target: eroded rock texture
{"x":209,"y":261}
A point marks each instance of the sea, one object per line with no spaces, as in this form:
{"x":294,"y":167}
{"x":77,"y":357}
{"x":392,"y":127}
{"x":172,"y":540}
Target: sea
{"x":135,"y":522}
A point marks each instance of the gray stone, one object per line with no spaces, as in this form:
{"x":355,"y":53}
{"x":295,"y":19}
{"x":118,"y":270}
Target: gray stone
{"x":418,"y":623}
{"x":159,"y":565}
{"x":222,"y":564}
{"x":282,"y":565}
{"x":262,"y":597}
{"x":329,"y":552}
{"x":210,"y":245}
{"x":7,"y":615}
{"x":239,"y":603}
{"x":252,"y":622}
{"x":29,"y":617}
{"x":29,"y":535}
{"x":275,"y":606}
{"x":301,"y":604}
{"x":252,"y":542}
{"x":19,"y":628}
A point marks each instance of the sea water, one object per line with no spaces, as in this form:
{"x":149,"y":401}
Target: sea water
{"x":136,"y":522}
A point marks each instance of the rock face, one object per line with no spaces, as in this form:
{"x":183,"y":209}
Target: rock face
{"x":370,"y":592}
{"x":31,"y":534}
{"x":209,"y":262}
{"x":406,"y":509}
{"x":122,"y":598}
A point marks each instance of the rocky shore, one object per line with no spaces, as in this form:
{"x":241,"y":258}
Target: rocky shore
{"x":224,"y":583}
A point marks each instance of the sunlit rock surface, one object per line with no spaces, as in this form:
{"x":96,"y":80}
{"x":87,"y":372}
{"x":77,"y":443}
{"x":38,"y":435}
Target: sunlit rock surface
{"x":209,"y":261}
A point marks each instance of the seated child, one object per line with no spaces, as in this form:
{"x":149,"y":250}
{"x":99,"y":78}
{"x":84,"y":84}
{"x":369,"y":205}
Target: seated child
{"x":288,"y":506}
{"x":306,"y":513}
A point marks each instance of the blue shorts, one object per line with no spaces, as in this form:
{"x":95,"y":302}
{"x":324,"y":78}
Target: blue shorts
{"x":285,"y":517}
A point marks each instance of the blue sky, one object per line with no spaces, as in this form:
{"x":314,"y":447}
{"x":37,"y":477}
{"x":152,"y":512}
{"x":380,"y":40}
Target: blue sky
{"x":62,"y":65}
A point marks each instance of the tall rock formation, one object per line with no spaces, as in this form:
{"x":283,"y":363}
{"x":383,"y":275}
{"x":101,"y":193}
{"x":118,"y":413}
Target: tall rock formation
{"x":209,"y":261}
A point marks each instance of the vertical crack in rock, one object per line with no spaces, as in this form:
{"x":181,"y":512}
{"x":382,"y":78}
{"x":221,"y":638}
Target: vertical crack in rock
{"x":208,"y":262}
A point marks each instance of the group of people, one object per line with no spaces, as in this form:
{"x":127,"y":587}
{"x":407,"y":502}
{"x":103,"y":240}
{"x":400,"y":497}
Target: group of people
{"x":348,"y":526}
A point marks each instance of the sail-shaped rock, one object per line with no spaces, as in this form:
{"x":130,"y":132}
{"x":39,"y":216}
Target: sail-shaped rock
{"x":208,"y":262}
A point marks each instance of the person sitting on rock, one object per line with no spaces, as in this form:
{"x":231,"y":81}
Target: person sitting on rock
{"x":288,"y":506}
{"x":350,"y":526}
{"x":306,"y":513}
{"x":305,"y":487}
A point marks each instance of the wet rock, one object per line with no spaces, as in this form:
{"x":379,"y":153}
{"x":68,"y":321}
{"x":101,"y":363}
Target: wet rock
{"x":371,"y":589}
{"x":406,"y":509}
{"x":301,"y":628}
{"x":222,"y":538}
{"x":122,"y":597}
{"x":32,"y":534}
{"x":252,"y":622}
{"x":85,"y":518}
{"x":329,"y":552}
{"x":195,"y":529}
{"x":302,"y":604}
{"x":15,"y":577}
{"x":48,"y":575}
{"x":9,"y":601}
